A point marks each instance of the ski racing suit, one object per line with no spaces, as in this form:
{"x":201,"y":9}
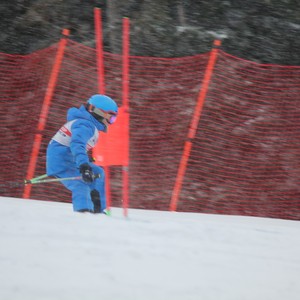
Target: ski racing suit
{"x":68,"y":149}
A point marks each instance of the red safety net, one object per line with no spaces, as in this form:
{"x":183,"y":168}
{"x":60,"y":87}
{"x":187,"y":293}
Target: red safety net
{"x":245,"y":156}
{"x":23,"y":82}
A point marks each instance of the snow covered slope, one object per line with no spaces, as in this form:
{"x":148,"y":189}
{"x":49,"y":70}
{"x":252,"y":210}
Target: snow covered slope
{"x":49,"y":252}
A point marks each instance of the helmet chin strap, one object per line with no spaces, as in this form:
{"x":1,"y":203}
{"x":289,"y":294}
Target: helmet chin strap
{"x":104,"y":121}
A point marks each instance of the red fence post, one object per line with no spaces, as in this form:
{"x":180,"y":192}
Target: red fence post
{"x":44,"y":111}
{"x":125,"y":102}
{"x":101,"y":85}
{"x":194,"y":125}
{"x":99,"y":49}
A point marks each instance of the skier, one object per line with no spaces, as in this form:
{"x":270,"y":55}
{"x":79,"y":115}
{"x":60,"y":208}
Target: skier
{"x":67,"y":152}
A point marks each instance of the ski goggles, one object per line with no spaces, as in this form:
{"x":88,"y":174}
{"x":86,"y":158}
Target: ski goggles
{"x":109,"y":116}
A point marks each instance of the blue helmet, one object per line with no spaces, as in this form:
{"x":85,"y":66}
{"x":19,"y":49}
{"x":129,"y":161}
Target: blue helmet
{"x":103,"y":108}
{"x":104,"y":103}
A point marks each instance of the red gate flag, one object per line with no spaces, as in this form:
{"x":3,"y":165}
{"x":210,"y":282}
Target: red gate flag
{"x":113,"y":146}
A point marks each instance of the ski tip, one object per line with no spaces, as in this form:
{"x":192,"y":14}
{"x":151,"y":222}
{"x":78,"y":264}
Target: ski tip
{"x":107,"y":212}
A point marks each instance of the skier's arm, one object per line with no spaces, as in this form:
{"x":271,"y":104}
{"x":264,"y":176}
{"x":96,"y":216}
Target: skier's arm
{"x":81,"y":133}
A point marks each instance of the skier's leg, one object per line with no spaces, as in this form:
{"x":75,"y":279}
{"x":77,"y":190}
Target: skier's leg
{"x":60,"y":163}
{"x":98,"y":193}
{"x":95,"y":196}
{"x":81,"y":197}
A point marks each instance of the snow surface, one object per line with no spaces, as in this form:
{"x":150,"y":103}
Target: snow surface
{"x":49,"y":252}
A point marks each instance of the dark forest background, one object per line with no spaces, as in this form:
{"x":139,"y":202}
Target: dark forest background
{"x":265,"y":31}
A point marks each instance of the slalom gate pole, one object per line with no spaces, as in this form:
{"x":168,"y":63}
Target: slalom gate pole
{"x":125,"y":102}
{"x":194,"y":125}
{"x":101,"y":84}
{"x":44,"y":111}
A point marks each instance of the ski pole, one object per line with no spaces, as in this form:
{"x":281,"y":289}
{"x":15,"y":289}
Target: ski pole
{"x":41,"y":180}
{"x":16,"y":184}
{"x":5,"y":186}
{"x":35,"y":181}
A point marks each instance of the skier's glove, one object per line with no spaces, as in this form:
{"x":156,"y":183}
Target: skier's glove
{"x":87,"y":173}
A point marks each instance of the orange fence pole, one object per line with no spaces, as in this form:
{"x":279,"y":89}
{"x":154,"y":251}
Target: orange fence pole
{"x":99,"y":49}
{"x":44,"y":111}
{"x":101,"y":85}
{"x":194,"y":125}
{"x":125,"y":89}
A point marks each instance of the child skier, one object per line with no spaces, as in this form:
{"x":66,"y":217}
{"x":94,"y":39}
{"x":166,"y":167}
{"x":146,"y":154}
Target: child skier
{"x":67,"y":152}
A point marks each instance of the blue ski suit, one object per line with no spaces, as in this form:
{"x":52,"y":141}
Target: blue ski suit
{"x":68,"y":149}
